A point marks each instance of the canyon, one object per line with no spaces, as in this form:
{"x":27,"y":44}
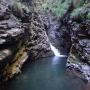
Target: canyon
{"x":28,"y":33}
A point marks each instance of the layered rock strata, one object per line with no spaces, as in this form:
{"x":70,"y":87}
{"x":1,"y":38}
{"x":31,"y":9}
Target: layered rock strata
{"x":21,"y":37}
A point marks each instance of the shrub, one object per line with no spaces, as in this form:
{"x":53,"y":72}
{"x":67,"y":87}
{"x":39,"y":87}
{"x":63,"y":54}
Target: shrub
{"x":59,"y":7}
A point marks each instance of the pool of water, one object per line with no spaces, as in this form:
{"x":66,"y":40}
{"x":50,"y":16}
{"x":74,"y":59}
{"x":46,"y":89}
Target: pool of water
{"x":45,"y":74}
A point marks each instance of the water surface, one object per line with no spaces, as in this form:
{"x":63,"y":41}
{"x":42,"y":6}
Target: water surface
{"x":45,"y":74}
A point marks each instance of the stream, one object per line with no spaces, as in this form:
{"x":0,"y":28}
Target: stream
{"x":45,"y":74}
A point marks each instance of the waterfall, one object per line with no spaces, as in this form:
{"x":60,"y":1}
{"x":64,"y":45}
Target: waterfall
{"x":56,"y":51}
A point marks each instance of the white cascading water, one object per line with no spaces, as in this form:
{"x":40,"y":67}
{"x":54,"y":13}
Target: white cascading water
{"x":56,"y":51}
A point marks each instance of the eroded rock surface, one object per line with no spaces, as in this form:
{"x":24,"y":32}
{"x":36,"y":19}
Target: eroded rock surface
{"x":79,"y":58}
{"x":20,"y":37}
{"x":11,"y":37}
{"x":39,"y":44}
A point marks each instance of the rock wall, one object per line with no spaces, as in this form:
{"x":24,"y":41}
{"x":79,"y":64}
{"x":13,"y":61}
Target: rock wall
{"x":57,"y":32}
{"x":39,"y":45}
{"x":11,"y":38}
{"x":79,"y":59}
{"x":22,"y":36}
{"x":77,"y":31}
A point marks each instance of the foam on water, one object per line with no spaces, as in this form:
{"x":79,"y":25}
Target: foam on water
{"x":56,"y":51}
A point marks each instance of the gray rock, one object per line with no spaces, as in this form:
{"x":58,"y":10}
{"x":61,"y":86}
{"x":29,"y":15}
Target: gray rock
{"x":4,"y":54}
{"x":81,"y":42}
{"x":39,"y":45}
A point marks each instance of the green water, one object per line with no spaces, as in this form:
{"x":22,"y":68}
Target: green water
{"x":45,"y":74}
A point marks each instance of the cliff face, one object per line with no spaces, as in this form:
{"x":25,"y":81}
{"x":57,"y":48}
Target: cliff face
{"x":22,"y":35}
{"x":79,"y":58}
{"x":12,"y":38}
{"x":39,"y":45}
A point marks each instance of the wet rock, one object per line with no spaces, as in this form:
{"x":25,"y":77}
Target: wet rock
{"x":14,"y":68}
{"x":81,"y":42}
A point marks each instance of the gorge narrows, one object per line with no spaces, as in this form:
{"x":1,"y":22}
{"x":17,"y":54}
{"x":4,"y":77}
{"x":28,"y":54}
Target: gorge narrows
{"x":44,"y":45}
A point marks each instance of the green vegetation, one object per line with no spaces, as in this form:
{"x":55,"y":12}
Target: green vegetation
{"x":79,"y":12}
{"x":82,"y":11}
{"x":59,"y":7}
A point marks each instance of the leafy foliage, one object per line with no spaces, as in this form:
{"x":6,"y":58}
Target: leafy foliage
{"x":81,"y":11}
{"x":59,"y":7}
